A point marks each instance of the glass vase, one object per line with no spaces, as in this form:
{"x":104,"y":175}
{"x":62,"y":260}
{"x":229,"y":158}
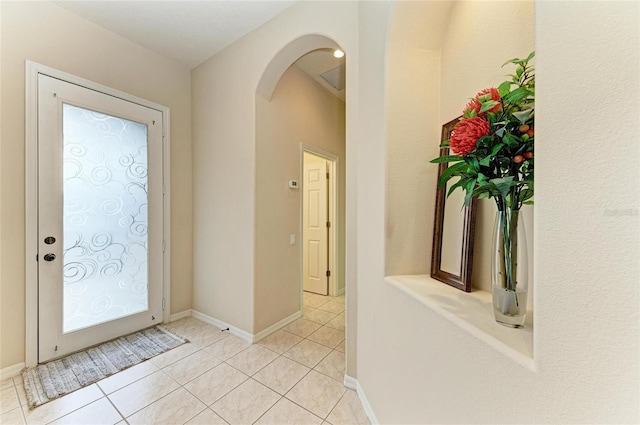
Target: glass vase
{"x":509,"y":269}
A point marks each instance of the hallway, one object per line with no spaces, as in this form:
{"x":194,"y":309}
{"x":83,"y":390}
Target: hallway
{"x":293,"y":376}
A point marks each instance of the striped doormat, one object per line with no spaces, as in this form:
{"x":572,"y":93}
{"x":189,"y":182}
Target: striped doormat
{"x":56,"y":378}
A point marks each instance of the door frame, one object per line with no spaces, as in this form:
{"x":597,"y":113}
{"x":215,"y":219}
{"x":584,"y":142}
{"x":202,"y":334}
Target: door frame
{"x":334,"y":201}
{"x":33,"y":69}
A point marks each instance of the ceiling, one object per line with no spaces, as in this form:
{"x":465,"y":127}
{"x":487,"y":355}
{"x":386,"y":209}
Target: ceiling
{"x":328,"y":71}
{"x":190,"y":32}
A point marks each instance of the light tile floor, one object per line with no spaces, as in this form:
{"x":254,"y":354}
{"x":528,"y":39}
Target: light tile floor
{"x":294,"y":376}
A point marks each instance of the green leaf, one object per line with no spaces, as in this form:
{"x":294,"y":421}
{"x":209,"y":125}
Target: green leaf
{"x":514,"y":60}
{"x":451,"y":171}
{"x":486,"y":161}
{"x":470,"y":185}
{"x":510,"y":140}
{"x":446,"y":158}
{"x":496,"y":148}
{"x":458,"y":184}
{"x":504,"y":88}
{"x":503,"y":185}
{"x":531,"y":55}
{"x":467,"y":199}
{"x":474,"y":165}
{"x":518,"y":94}
{"x":488,"y":105}
{"x":523,"y":116}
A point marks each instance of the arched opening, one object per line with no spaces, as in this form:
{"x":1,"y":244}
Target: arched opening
{"x":300,"y":107}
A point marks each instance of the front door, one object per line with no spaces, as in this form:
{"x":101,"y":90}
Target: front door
{"x":100,"y":243}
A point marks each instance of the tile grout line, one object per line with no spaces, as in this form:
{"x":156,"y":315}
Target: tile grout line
{"x":15,"y":390}
{"x":147,"y":405}
{"x":203,"y":347}
{"x":111,"y":403}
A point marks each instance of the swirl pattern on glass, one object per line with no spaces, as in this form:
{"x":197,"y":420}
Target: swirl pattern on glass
{"x":105,"y":217}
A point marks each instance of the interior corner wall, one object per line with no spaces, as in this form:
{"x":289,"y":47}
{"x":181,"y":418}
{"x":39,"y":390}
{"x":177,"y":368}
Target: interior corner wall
{"x":48,"y":34}
{"x":414,"y":365}
{"x":300,"y":111}
{"x":224,"y":151}
{"x":413,"y":132}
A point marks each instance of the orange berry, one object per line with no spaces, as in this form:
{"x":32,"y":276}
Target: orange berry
{"x":528,"y":155}
{"x":530,"y":132}
{"x":523,"y":128}
{"x":518,"y":159}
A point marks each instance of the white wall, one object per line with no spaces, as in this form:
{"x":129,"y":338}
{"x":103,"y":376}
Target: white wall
{"x":224,"y":135}
{"x":47,"y":34}
{"x":300,"y":111}
{"x":417,"y":367}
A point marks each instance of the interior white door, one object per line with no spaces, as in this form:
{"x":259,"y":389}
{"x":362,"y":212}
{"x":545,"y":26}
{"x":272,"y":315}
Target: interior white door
{"x":100,"y":243}
{"x":314,"y":227}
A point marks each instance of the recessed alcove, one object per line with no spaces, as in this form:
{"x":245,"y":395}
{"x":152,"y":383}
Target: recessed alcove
{"x":440,"y":54}
{"x":472,"y":312}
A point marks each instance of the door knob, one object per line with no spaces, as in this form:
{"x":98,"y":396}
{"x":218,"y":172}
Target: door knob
{"x":49,"y":257}
{"x":49,"y":240}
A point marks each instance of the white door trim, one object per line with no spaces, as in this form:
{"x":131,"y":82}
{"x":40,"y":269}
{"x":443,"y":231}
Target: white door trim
{"x":334,"y":195}
{"x":31,"y":193}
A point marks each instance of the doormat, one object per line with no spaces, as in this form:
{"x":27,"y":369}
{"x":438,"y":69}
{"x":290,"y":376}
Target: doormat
{"x":56,"y":378}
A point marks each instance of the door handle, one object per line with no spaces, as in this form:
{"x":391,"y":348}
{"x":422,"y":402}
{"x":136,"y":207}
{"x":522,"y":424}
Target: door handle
{"x":49,"y":257}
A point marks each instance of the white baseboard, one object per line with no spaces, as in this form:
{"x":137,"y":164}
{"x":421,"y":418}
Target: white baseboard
{"x":11,"y":371}
{"x":350,"y":382}
{"x":244,"y":335}
{"x":181,"y":315}
{"x":273,"y":328}
{"x":353,"y":384}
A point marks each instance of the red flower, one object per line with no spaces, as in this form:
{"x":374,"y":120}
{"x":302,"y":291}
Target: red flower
{"x":486,"y":94}
{"x":466,"y":133}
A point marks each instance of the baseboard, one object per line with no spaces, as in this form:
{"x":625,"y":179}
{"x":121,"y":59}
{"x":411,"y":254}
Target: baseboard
{"x":350,"y":382}
{"x":244,"y":335}
{"x":277,"y":326}
{"x":353,"y":384}
{"x":181,"y":315}
{"x":11,"y":371}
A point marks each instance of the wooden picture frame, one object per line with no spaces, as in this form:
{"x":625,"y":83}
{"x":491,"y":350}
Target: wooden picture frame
{"x":462,"y":280}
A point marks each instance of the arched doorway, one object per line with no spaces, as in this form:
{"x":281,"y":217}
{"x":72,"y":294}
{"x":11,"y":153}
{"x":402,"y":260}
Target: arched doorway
{"x":288,"y":117}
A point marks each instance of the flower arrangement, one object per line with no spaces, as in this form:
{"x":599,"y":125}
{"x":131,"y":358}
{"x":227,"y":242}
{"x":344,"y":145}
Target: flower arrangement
{"x":492,"y":145}
{"x":492,"y":155}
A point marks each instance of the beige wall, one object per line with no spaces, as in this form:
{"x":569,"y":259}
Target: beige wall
{"x":224,"y":147}
{"x":47,"y":34}
{"x":446,"y":68}
{"x":469,"y":66}
{"x":414,"y":365}
{"x":413,"y":132}
{"x":300,"y":111}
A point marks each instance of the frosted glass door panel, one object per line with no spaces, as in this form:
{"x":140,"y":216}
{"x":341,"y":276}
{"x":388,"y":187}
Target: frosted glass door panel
{"x":105,"y":218}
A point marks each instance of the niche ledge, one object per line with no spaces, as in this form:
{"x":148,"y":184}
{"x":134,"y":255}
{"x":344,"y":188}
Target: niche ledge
{"x":472,"y":312}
